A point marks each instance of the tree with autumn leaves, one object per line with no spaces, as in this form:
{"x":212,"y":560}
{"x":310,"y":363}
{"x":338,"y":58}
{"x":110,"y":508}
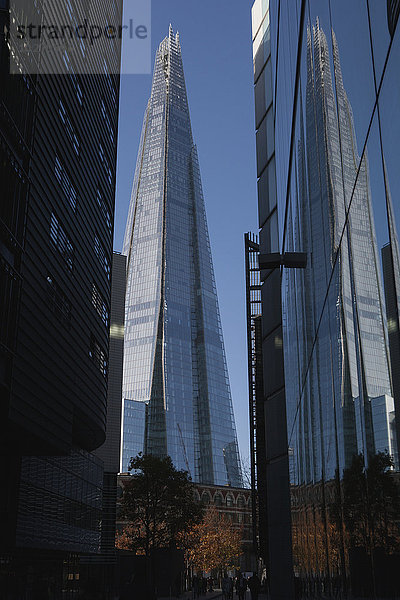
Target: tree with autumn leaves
{"x":361,"y":516}
{"x":160,"y":511}
{"x":157,"y":504}
{"x":213,"y":544}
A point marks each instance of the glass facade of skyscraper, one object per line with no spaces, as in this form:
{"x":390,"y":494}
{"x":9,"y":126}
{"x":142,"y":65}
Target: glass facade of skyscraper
{"x":176,"y":390}
{"x":328,"y":127}
{"x":56,"y":234}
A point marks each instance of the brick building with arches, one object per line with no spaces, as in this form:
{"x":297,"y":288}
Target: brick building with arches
{"x":234,"y":504}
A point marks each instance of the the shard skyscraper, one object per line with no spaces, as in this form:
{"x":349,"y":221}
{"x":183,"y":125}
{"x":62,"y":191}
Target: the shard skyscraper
{"x":176,"y":391}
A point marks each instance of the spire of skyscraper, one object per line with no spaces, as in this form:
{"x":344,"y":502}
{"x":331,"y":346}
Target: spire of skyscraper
{"x":176,"y":390}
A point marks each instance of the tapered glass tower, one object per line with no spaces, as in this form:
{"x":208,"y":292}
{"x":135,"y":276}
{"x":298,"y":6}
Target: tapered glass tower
{"x":177,"y":399}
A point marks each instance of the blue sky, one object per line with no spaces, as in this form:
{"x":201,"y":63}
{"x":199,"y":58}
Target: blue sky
{"x":217,"y":59}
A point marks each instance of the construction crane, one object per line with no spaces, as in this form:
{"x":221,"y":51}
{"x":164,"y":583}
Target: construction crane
{"x":184,"y":449}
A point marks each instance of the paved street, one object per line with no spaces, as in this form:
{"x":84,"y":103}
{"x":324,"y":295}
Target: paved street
{"x":212,"y":595}
{"x":189,"y":596}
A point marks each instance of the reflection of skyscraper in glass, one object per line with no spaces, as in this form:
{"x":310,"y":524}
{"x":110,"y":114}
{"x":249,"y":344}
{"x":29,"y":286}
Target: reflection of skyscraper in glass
{"x":391,"y":277}
{"x":348,"y":405}
{"x":176,"y":390}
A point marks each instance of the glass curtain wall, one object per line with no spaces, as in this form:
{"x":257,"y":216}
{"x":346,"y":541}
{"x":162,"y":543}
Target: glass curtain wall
{"x":332,"y":87}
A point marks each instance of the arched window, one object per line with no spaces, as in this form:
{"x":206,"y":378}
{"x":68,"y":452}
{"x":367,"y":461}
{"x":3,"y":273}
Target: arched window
{"x":196,"y":496}
{"x":240,"y":502}
{"x":218,"y":500}
{"x":205,"y":498}
{"x":229,"y":500}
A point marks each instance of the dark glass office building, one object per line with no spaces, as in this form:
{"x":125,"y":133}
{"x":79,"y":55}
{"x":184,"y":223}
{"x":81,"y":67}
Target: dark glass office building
{"x":109,"y":452}
{"x":391,"y":279}
{"x":58,"y":161}
{"x":326,"y":75}
{"x":176,"y":389}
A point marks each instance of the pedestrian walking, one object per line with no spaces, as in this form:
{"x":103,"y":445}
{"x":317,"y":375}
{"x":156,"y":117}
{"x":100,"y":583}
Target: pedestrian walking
{"x":195,"y":586}
{"x":254,"y":584}
{"x":230,"y":593}
{"x":241,"y":586}
{"x":237,"y":583}
{"x":204,"y":586}
{"x":226,"y":587}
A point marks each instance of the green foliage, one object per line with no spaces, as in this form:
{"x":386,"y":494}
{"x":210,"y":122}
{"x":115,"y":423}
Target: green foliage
{"x":158,"y":503}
